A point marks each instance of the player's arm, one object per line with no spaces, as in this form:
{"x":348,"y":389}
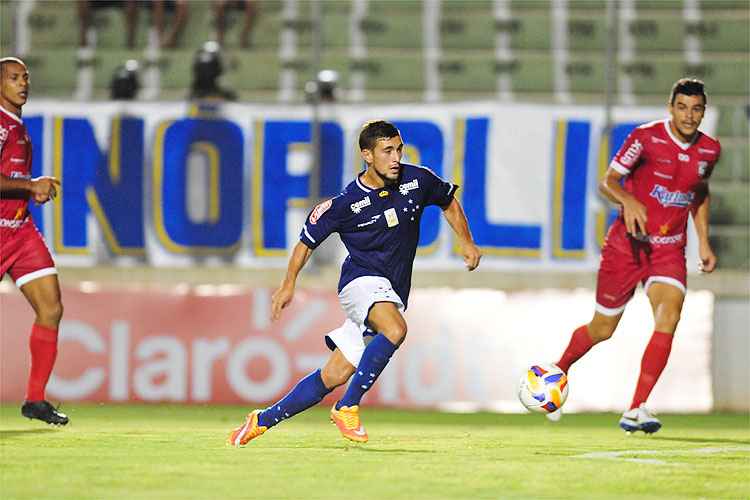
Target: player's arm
{"x":454,"y":214}
{"x":701,"y":212}
{"x":42,"y":189}
{"x":283,"y":296}
{"x":633,"y":211}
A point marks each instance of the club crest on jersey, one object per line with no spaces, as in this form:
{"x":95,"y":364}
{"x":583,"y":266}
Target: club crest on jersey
{"x":408,"y":186}
{"x":319,"y":210}
{"x":358,"y":206}
{"x":683,"y":157}
{"x":3,"y":134}
{"x":669,"y":198}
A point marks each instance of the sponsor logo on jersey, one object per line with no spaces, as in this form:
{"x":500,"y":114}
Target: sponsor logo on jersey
{"x":19,"y":175}
{"x":11,"y":223}
{"x":408,"y":186}
{"x":319,"y":210}
{"x":656,"y":140}
{"x":709,"y":151}
{"x":702,"y":168}
{"x":631,"y":155}
{"x":391,"y":217}
{"x":663,"y":176}
{"x":372,"y":220}
{"x":663,"y":160}
{"x":666,"y":240}
{"x":3,"y":135}
{"x":663,"y":229}
{"x":358,"y":206}
{"x":669,"y":198}
{"x":383,"y":194}
{"x":17,"y":160}
{"x":683,"y":157}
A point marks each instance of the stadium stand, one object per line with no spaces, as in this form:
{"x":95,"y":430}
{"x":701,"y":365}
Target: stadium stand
{"x":536,"y":51}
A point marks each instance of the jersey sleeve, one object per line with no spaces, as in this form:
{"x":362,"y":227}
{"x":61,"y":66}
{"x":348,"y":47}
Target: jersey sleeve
{"x":320,"y":223}
{"x":630,"y":152}
{"x":3,"y":137}
{"x":438,"y":191}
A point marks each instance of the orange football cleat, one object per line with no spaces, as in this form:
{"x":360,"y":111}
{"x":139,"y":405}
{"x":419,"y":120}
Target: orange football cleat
{"x":347,"y":420}
{"x":247,"y":431}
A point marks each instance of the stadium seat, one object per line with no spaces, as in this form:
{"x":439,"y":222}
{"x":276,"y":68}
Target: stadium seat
{"x":392,"y":70}
{"x":53,"y":72}
{"x":532,"y":73}
{"x":176,"y":68}
{"x":734,"y":121}
{"x":54,"y":25}
{"x":7,"y":30}
{"x":734,"y":165}
{"x":252,"y":71}
{"x":730,"y":204}
{"x":586,"y":73}
{"x":529,"y":31}
{"x":400,"y":29}
{"x":723,"y":31}
{"x":658,"y":32}
{"x":467,"y":24}
{"x":468,"y":72}
{"x":732,"y":245}
{"x":587,"y":32}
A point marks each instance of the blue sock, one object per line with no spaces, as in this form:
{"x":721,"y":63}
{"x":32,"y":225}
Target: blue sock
{"x":308,"y":392}
{"x":376,"y":356}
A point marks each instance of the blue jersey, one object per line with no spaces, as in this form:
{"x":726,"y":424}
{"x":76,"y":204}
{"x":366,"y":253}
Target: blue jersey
{"x":379,"y":227}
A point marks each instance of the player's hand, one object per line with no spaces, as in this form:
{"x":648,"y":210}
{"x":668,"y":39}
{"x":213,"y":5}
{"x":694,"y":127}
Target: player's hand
{"x":634,"y":214}
{"x":44,"y":189}
{"x":707,"y":262}
{"x":280,"y":299}
{"x":472,"y":255}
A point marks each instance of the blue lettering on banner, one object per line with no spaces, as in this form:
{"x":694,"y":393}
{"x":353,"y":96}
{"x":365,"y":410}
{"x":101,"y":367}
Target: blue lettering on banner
{"x":521,"y":240}
{"x":569,"y":201}
{"x":116,"y":196}
{"x":35,"y":129}
{"x":74,"y":158}
{"x":221,"y":142}
{"x":275,"y":189}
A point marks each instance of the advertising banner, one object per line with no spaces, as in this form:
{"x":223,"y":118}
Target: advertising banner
{"x":466,"y":349}
{"x":173,"y":184}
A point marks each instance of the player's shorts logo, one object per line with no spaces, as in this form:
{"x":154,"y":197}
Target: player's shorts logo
{"x":319,"y":210}
{"x":358,"y":206}
{"x":669,"y":198}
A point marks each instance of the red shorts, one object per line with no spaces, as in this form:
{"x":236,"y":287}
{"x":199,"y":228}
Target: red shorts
{"x":24,"y":254}
{"x":624,"y":264}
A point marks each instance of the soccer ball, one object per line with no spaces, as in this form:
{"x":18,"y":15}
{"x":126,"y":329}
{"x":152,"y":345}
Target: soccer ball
{"x":543,"y":388}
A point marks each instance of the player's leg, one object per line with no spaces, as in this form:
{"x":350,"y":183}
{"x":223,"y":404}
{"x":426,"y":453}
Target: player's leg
{"x":386,"y":319}
{"x":43,"y":293}
{"x":601,"y":327}
{"x":307,"y":393}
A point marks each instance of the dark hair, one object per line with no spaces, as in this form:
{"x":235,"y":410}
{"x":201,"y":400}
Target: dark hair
{"x":8,"y":60}
{"x":687,"y":86}
{"x":375,"y":130}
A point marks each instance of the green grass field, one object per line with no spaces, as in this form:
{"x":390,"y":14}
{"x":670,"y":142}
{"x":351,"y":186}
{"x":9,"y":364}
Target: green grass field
{"x":179,"y":452}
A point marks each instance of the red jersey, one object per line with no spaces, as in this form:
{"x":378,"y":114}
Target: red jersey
{"x":663,"y":174}
{"x":15,"y":162}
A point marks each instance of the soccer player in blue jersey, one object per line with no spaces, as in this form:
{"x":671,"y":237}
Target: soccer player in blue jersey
{"x":377,"y":217}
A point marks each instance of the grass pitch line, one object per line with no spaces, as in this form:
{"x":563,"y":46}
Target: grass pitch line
{"x":622,"y":455}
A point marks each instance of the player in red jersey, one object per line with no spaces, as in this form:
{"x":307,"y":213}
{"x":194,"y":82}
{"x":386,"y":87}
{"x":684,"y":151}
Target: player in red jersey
{"x":23,"y":254}
{"x":659,"y":175}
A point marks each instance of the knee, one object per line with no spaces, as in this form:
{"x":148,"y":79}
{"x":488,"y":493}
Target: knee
{"x":667,"y":319}
{"x":396,"y":333}
{"x":50,"y":313}
{"x":334,"y":376}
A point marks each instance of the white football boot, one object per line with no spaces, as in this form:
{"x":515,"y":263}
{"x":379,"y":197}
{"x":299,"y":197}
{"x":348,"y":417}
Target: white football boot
{"x":640,"y":419}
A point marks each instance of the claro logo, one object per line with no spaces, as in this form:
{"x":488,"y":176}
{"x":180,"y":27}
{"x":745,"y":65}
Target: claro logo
{"x":164,"y":367}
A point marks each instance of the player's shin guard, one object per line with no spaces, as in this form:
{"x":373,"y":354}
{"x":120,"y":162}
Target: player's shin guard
{"x":43,"y":346}
{"x":374,"y":359}
{"x":308,"y":392}
{"x":580,"y":343}
{"x":654,"y":360}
